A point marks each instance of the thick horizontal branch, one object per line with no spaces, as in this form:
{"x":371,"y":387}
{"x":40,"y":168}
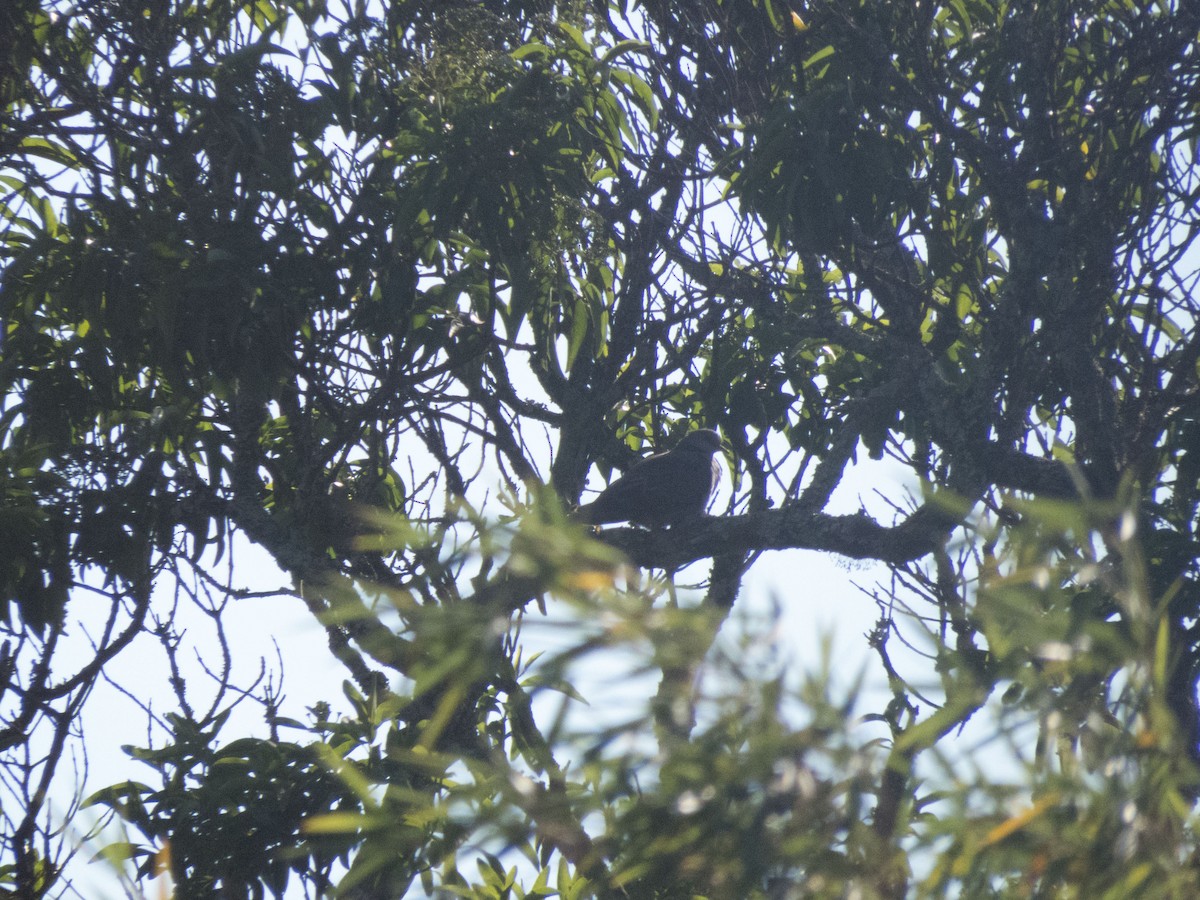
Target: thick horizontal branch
{"x":857,"y":536}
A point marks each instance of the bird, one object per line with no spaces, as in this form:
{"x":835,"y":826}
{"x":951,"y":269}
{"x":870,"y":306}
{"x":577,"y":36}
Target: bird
{"x":663,"y":489}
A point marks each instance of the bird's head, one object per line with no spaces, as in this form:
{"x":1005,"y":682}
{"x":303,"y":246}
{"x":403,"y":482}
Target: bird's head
{"x":705,"y":439}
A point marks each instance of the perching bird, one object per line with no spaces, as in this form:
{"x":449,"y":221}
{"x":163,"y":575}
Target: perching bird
{"x":663,"y":489}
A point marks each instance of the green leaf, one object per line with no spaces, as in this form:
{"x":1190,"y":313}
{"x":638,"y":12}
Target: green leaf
{"x":822,"y":54}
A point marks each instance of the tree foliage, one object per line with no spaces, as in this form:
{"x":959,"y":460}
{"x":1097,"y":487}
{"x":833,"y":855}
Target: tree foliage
{"x":376,"y":286}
